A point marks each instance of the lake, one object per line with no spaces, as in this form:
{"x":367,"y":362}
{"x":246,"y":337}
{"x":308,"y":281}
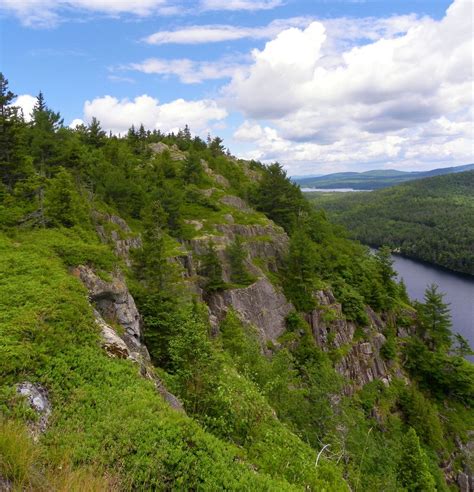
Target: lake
{"x":459,"y":290}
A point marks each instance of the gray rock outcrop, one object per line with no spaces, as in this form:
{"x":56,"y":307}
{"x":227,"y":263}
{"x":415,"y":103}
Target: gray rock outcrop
{"x":360,"y":361}
{"x":121,"y":237}
{"x":259,"y":304}
{"x":37,"y":398}
{"x":114,"y":303}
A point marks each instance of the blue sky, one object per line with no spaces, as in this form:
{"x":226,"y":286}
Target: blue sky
{"x":320,"y":85}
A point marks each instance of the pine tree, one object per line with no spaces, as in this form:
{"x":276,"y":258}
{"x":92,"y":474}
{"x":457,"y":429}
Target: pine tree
{"x":212,"y":269}
{"x":62,"y":204}
{"x":435,"y":319}
{"x":45,"y":124}
{"x":237,"y":256}
{"x":95,"y":135}
{"x":192,"y":170}
{"x":300,"y":271}
{"x":279,"y":198}
{"x":413,"y":471}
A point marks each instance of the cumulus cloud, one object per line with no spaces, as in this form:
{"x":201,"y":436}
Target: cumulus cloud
{"x":26,"y":102}
{"x":118,"y":115}
{"x":398,"y":97}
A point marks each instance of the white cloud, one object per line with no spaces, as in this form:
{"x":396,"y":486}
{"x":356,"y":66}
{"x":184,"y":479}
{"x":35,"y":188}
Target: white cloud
{"x":402,"y":97}
{"x":47,"y":13}
{"x":118,"y":115}
{"x":26,"y":102}
{"x":188,"y":71}
{"x":76,"y":122}
{"x":240,"y":4}
{"x":217,"y":33}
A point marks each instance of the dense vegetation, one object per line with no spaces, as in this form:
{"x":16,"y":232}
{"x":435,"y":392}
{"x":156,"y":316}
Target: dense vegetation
{"x":431,"y":219}
{"x":257,"y":418}
{"x":374,"y":180}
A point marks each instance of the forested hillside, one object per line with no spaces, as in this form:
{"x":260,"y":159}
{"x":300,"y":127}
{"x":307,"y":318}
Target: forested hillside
{"x":173,"y":318}
{"x":431,"y":219}
{"x":376,"y":179}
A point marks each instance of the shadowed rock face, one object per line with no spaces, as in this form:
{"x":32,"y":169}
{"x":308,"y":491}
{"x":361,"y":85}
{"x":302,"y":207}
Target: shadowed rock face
{"x":114,"y":302}
{"x":362,"y":361}
{"x":259,"y":304}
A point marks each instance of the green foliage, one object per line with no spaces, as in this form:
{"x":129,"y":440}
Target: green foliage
{"x":413,"y":471}
{"x":237,"y":256}
{"x":429,"y":219}
{"x":435,"y":319}
{"x":211,"y":268}
{"x":278,"y":197}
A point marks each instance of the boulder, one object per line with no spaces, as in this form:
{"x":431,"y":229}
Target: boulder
{"x":37,"y":398}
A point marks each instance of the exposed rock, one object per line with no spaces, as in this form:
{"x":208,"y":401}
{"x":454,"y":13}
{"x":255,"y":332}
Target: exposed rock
{"x":465,"y":482}
{"x":114,"y":302}
{"x":111,"y":342}
{"x":259,"y":304}
{"x":236,"y":202}
{"x":37,"y":398}
{"x":123,"y":240}
{"x":197,"y":224}
{"x":360,"y":361}
{"x":175,"y":153}
{"x":5,"y":484}
{"x":219,"y":179}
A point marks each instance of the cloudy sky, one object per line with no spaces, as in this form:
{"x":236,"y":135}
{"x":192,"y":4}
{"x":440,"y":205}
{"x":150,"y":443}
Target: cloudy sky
{"x":319,"y":85}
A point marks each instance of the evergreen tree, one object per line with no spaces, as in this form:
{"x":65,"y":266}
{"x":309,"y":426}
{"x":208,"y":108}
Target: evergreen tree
{"x":413,"y":470}
{"x":279,"y":198}
{"x":45,"y":124}
{"x":435,"y":319}
{"x":300,"y":271}
{"x":387,"y":275}
{"x":237,"y":256}
{"x":192,"y":170}
{"x":95,"y":134}
{"x":462,"y":348}
{"x":212,"y":270}
{"x":63,"y":205}
{"x":12,"y":162}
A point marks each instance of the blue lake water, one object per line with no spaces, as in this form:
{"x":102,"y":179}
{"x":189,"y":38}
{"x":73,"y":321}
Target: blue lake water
{"x":458,"y":290}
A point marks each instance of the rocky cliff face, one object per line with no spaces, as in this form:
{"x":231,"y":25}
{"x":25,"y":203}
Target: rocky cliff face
{"x":360,"y":358}
{"x":115,"y":306}
{"x":259,"y":304}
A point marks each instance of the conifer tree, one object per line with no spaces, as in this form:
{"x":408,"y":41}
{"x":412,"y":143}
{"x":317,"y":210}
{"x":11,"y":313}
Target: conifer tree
{"x":63,"y":205}
{"x":435,"y":319}
{"x":413,"y":471}
{"x":192,"y":170}
{"x":12,"y":162}
{"x":95,"y":134}
{"x":237,"y":256}
{"x":212,"y":270}
{"x":300,"y":271}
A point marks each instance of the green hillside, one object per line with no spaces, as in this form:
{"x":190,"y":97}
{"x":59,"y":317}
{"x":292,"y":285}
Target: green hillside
{"x":173,"y":318}
{"x":374,"y":180}
{"x":430,"y":219}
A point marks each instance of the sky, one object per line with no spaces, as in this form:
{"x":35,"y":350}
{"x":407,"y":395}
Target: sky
{"x":319,"y":85}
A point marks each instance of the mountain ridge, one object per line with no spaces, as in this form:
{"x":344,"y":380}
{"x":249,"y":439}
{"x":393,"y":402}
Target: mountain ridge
{"x":374,"y":179}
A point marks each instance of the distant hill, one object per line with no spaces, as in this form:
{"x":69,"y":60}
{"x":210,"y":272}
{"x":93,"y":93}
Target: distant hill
{"x":373,"y":180}
{"x":431,"y":219}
